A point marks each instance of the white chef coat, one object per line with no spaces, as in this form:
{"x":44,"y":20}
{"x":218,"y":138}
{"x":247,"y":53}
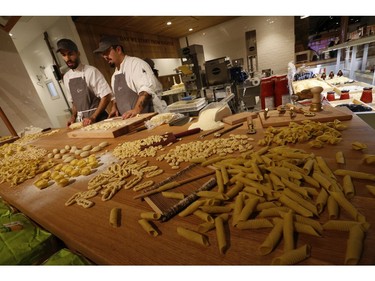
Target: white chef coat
{"x":140,"y":78}
{"x":94,"y":79}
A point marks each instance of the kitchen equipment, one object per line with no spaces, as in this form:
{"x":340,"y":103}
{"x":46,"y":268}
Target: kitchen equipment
{"x":184,"y":203}
{"x":250,"y":125}
{"x":171,"y":138}
{"x":316,"y":102}
{"x":174,"y":184}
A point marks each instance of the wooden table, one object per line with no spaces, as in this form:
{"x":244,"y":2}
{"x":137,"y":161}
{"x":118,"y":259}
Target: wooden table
{"x":88,"y":230}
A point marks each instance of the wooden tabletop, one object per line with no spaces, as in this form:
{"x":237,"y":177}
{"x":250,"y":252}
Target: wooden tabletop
{"x":88,"y":230}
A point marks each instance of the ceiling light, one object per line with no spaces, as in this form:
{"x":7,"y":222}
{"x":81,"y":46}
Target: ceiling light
{"x":303,"y":17}
{"x":169,"y":23}
{"x":190,"y":29}
{"x":10,"y":34}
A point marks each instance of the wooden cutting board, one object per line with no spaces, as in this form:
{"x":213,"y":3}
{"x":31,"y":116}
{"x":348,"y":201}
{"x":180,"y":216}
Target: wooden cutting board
{"x":111,"y":128}
{"x":239,"y":117}
{"x":328,"y":114}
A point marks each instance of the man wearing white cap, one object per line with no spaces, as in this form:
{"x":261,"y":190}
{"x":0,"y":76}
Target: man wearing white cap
{"x":132,"y":83}
{"x":86,"y":86}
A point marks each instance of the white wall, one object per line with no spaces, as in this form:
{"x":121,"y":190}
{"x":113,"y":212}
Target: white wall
{"x":18,"y":98}
{"x":275,"y":40}
{"x":166,"y":66}
{"x":36,"y":55}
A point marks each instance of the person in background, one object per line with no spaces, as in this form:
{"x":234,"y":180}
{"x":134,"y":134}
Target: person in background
{"x":86,"y":86}
{"x":132,"y":82}
{"x":159,"y":86}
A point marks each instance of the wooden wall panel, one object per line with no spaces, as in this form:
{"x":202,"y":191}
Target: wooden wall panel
{"x":135,"y":44}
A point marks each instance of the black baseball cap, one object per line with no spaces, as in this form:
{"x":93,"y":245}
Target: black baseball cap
{"x":66,"y":44}
{"x":106,"y":42}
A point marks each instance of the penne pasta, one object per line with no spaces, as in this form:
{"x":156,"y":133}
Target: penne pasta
{"x":215,"y":209}
{"x":308,"y":166}
{"x":219,"y":181}
{"x":238,"y":205}
{"x":288,"y":231}
{"x":150,"y":216}
{"x":254,"y":224}
{"x":224,"y":174}
{"x":371,"y":188}
{"x":344,"y":225}
{"x":173,"y":195}
{"x":277,"y":183}
{"x":191,"y":208}
{"x":272,"y":239}
{"x":355,"y":174}
{"x":348,"y":186}
{"x":294,"y":256}
{"x":303,"y":202}
{"x":234,"y":190}
{"x":248,"y":209}
{"x":220,"y":235}
{"x":321,"y":200}
{"x":340,"y":157}
{"x":115,"y":217}
{"x":324,"y":167}
{"x":295,"y":206}
{"x":333,"y":208}
{"x":354,"y":245}
{"x":148,"y":227}
{"x":203,"y":216}
{"x":347,"y":206}
{"x":193,"y":236}
{"x":272,"y":212}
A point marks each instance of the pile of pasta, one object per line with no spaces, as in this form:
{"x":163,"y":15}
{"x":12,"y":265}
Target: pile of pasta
{"x":316,"y":132}
{"x":30,"y":137}
{"x":283,"y":189}
{"x":19,"y":163}
{"x":127,"y":174}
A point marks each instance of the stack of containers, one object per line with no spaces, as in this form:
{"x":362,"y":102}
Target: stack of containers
{"x":274,"y":91}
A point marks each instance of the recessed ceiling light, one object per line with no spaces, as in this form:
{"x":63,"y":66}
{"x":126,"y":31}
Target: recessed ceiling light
{"x":10,"y":34}
{"x":190,"y":29}
{"x":169,"y":23}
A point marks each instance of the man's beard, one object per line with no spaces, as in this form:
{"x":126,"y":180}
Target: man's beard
{"x":111,"y":64}
{"x":75,"y":64}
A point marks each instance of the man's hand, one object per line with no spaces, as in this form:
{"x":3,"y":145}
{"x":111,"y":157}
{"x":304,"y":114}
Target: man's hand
{"x":70,"y":121}
{"x":88,"y":121}
{"x":113,"y":113}
{"x":130,"y":113}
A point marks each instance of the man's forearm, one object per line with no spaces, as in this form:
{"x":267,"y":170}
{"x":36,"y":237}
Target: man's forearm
{"x":142,"y":101}
{"x":101,"y":107}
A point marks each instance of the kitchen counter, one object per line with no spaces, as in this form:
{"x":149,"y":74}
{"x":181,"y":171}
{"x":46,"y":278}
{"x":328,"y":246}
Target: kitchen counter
{"x":89,"y":232}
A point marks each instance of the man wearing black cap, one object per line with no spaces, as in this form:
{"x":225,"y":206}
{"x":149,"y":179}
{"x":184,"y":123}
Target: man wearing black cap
{"x":132,"y":82}
{"x":86,"y":86}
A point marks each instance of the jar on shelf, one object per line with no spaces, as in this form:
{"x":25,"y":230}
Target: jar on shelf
{"x":344,"y":95}
{"x":366,"y":96}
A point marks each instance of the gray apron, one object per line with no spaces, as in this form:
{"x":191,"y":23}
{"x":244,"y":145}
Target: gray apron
{"x":84,"y":99}
{"x":125,"y":97}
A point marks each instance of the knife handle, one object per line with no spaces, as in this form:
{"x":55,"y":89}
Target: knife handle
{"x":187,"y":133}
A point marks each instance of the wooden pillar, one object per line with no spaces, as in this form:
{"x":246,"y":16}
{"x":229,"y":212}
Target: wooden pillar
{"x":7,"y":123}
{"x":344,"y":29}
